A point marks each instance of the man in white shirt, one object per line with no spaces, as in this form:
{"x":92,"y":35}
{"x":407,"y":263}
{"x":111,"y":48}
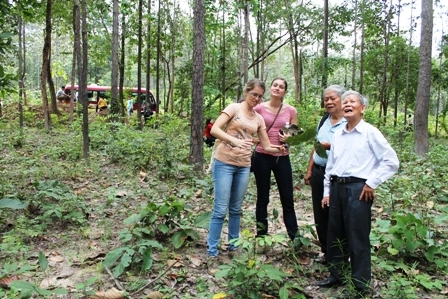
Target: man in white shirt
{"x":360,"y":159}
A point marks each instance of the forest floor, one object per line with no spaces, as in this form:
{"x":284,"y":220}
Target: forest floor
{"x":75,"y":256}
{"x":112,"y":193}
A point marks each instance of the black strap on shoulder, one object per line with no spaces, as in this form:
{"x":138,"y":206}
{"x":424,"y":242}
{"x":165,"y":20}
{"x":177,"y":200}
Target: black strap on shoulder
{"x":323,"y":119}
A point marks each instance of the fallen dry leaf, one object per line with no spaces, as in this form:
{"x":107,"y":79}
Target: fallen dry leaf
{"x":155,"y":295}
{"x":56,"y":259}
{"x":174,"y":263}
{"x":110,"y":294}
{"x":303,"y":260}
{"x":48,"y":282}
{"x":195,"y":261}
{"x":5,"y":282}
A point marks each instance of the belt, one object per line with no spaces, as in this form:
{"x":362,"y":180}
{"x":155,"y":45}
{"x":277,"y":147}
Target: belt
{"x":319,"y":167}
{"x":346,"y":179}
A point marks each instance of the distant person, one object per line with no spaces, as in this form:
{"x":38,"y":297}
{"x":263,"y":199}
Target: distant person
{"x":147,"y":112}
{"x":61,"y":95}
{"x":130,"y":106}
{"x":1,"y":108}
{"x":209,"y":138}
{"x":102,"y":104}
{"x":410,"y":123}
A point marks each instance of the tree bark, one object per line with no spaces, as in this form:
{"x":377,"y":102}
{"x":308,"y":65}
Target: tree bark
{"x":21,"y":64}
{"x":115,"y":108}
{"x":45,"y":63}
{"x":197,"y":115}
{"x":424,"y":80}
{"x":83,"y":84}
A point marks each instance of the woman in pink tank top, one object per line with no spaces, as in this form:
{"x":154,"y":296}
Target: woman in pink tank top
{"x":276,"y":115}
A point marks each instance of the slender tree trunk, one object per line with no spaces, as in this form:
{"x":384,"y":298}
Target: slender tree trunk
{"x":158,"y":55}
{"x":115,"y":107}
{"x":408,"y":68}
{"x":148,"y":53}
{"x":383,"y":97}
{"x":21,"y":64}
{"x":246,"y":42}
{"x":325,"y":48}
{"x":361,"y":52}
{"x":139,"y":63}
{"x":355,"y":26}
{"x":83,"y":84}
{"x":77,"y":51}
{"x":438,"y":93}
{"x":197,"y":115}
{"x":44,"y":72}
{"x":424,"y":80}
{"x":75,"y":18}
{"x":122,"y":63}
{"x":223,"y":58}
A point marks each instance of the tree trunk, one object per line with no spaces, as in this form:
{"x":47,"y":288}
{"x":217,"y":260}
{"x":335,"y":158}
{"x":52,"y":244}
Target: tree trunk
{"x":246,"y":42}
{"x":159,"y":25}
{"x":45,"y":63}
{"x":122,"y":62}
{"x":148,"y":53}
{"x":114,"y":106}
{"x":21,"y":57}
{"x":139,"y":63}
{"x":197,"y":115}
{"x":361,"y":52}
{"x":383,"y":97}
{"x":408,"y":68}
{"x":75,"y":23}
{"x":83,"y":84}
{"x":424,"y":80}
{"x":354,"y":46}
{"x":77,"y":50}
{"x":325,"y":49}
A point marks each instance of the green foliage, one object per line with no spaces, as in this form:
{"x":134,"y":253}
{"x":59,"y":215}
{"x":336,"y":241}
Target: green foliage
{"x":408,"y":235}
{"x":9,"y":203}
{"x":57,"y":201}
{"x":249,"y":276}
{"x":157,"y":221}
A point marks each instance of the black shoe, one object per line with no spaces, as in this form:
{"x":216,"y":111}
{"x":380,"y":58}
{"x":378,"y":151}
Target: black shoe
{"x":329,"y":282}
{"x":321,"y":260}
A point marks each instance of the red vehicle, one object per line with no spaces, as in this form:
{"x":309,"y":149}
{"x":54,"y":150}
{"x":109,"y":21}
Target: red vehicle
{"x":95,"y":92}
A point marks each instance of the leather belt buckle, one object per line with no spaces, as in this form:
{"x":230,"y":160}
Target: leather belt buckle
{"x":340,"y":180}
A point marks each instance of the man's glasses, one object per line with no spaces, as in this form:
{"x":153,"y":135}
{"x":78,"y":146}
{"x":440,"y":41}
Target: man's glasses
{"x":256,"y":95}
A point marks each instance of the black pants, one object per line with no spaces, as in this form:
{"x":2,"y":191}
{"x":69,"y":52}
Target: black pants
{"x":348,"y":233}
{"x":320,"y":215}
{"x":281,"y":167}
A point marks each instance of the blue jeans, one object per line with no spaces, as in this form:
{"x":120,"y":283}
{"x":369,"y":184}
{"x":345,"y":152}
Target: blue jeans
{"x":230,"y":183}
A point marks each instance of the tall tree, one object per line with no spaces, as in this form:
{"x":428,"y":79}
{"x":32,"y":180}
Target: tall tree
{"x":325,"y":47}
{"x":424,"y":80}
{"x":46,"y":53}
{"x":83,"y":83}
{"x":115,"y":108}
{"x":21,"y":56}
{"x":197,"y":115}
{"x":139,"y":63}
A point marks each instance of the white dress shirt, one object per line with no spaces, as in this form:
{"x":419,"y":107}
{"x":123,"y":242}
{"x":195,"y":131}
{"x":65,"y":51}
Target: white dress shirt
{"x":362,"y":153}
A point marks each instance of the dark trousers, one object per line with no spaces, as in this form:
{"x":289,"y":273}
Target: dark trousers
{"x":348,"y":233}
{"x":320,"y":215}
{"x":281,"y":167}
